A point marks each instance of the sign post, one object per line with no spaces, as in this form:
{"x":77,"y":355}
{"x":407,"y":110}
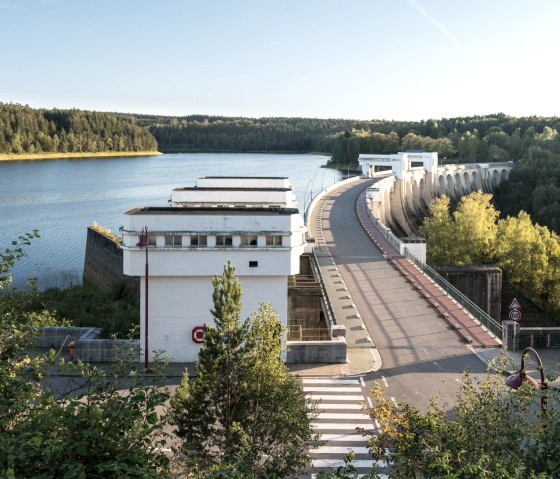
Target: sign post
{"x":514,"y":311}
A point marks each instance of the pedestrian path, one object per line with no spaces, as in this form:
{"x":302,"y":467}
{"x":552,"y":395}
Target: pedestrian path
{"x":339,"y":413}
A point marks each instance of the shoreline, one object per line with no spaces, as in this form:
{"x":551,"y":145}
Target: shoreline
{"x":61,"y":156}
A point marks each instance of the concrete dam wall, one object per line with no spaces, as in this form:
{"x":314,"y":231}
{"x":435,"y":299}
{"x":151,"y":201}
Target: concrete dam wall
{"x":402,"y":203}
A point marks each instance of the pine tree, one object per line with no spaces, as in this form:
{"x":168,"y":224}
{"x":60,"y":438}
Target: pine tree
{"x":243,"y":411}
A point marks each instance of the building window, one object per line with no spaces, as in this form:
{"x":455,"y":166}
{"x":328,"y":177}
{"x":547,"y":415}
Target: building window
{"x":272,"y":240}
{"x":173,"y":240}
{"x":198,"y":240}
{"x":253,"y":264}
{"x":152,"y":239}
{"x":224,"y":240}
{"x":249,"y":240}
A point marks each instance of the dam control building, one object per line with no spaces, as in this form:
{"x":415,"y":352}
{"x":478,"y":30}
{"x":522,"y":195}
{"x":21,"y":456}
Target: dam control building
{"x":252,"y":221}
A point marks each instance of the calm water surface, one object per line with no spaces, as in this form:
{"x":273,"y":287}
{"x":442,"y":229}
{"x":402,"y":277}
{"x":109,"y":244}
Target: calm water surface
{"x":61,"y":198}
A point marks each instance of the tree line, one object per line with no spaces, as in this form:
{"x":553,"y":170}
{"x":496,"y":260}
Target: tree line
{"x":468,"y":139}
{"x":29,"y":130}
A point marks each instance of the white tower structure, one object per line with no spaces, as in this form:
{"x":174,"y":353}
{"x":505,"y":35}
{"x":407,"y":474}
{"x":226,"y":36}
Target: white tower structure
{"x":254,"y":222}
{"x":400,"y":164}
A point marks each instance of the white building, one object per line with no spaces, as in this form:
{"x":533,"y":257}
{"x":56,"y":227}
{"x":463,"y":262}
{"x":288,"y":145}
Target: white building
{"x":400,"y":163}
{"x":254,"y":222}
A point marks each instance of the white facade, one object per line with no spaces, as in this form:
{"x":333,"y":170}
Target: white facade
{"x":192,"y":240}
{"x":400,"y":163}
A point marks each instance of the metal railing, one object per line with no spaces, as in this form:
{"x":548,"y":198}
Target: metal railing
{"x":297,"y":333}
{"x":329,"y":308}
{"x":481,"y":316}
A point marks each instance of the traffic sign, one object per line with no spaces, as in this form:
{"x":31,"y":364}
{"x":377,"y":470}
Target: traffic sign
{"x":514,"y":315}
{"x":515,"y":304}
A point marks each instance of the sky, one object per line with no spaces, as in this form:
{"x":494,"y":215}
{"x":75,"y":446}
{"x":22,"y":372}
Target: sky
{"x":354,"y":59}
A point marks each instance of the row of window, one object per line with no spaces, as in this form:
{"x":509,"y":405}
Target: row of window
{"x":220,"y":240}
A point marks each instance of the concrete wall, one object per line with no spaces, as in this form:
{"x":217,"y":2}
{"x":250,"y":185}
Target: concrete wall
{"x":481,"y":284}
{"x":333,"y":351}
{"x":103,"y":263}
{"x":516,"y":338}
{"x":105,"y":350}
{"x":59,"y":336}
{"x":179,"y":304}
{"x":402,"y":203}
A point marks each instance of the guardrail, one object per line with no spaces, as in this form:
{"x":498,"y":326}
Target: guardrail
{"x":481,"y":316}
{"x":330,"y":311}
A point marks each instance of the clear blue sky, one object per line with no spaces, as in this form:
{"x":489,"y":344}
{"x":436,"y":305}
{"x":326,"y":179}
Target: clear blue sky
{"x":361,"y":59}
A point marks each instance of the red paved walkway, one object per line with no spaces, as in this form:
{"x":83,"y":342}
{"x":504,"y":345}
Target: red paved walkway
{"x":463,"y":323}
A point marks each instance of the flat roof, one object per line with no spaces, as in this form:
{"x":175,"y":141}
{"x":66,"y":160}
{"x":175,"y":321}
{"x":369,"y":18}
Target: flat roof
{"x":212,"y":211}
{"x":248,"y":177}
{"x":227,"y":188}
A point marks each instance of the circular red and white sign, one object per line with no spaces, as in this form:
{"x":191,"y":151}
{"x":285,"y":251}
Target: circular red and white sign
{"x":514,"y":315}
{"x":198,"y":334}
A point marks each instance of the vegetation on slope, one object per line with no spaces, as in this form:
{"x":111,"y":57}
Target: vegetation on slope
{"x":529,"y":254}
{"x":25,"y":130}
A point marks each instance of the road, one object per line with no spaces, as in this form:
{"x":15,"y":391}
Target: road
{"x":422,"y":356}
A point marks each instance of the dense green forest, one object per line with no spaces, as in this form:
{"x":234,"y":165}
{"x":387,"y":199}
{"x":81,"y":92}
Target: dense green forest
{"x":467,"y":139}
{"x":29,"y":130}
{"x":533,"y":143}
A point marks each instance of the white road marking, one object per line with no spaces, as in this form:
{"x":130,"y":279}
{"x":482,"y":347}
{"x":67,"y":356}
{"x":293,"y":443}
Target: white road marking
{"x":384,"y":380}
{"x":357,"y":436}
{"x":340,"y":450}
{"x":334,"y":397}
{"x":349,"y":389}
{"x":370,"y":402}
{"x":380,"y":476}
{"x":326,"y":406}
{"x":321,"y":426}
{"x":328,"y":381}
{"x":436,"y":363}
{"x":342,"y":415}
{"x":362,"y":382}
{"x":394,"y":401}
{"x":339,"y":463}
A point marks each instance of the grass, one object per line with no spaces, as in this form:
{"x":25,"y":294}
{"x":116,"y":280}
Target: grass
{"x":51,"y":156}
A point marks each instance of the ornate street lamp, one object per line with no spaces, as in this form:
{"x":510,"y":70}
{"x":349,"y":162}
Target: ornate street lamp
{"x":516,"y":380}
{"x":144,"y":243}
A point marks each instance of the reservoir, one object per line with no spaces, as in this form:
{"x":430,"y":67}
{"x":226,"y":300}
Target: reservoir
{"x":61,"y":198}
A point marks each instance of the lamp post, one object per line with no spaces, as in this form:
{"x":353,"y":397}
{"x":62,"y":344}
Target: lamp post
{"x":516,"y":380}
{"x":144,"y":243}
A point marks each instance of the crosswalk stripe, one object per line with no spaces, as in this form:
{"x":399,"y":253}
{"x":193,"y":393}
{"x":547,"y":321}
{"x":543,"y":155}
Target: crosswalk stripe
{"x":333,"y":389}
{"x":325,"y":406}
{"x":334,"y":397}
{"x":340,"y":426}
{"x":343,"y":415}
{"x":329,"y":381}
{"x":340,"y":463}
{"x":340,"y":450}
{"x":356,"y":437}
{"x":380,"y":476}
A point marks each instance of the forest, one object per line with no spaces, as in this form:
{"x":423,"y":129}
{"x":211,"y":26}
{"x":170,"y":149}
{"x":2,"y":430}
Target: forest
{"x":30,"y":131}
{"x":532,"y":143}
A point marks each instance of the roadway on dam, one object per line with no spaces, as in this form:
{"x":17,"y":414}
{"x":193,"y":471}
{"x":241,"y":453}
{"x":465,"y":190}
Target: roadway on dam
{"x":421,"y":354}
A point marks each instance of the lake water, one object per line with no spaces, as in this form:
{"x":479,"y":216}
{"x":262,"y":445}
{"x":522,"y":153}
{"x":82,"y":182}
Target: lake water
{"x":61,"y":198}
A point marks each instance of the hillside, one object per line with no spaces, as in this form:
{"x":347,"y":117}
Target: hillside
{"x":25,"y":130}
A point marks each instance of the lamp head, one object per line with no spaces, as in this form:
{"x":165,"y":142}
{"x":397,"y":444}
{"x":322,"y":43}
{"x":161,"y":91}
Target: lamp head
{"x":516,"y":380}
